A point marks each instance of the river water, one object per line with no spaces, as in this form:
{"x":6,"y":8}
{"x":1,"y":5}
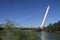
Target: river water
{"x":49,"y":36}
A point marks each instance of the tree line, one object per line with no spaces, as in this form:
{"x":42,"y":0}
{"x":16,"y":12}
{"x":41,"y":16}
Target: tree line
{"x":55,"y":27}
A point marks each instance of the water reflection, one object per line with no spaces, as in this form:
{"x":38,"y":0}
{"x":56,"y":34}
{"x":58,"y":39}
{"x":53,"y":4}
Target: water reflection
{"x":49,"y":35}
{"x":42,"y":35}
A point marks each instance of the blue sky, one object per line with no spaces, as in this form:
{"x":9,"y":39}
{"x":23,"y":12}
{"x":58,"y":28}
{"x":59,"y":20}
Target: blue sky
{"x":29,"y":13}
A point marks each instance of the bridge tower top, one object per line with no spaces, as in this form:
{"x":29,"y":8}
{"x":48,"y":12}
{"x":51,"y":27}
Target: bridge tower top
{"x":45,"y":16}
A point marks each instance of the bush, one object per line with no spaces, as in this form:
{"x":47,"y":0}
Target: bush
{"x":25,"y":35}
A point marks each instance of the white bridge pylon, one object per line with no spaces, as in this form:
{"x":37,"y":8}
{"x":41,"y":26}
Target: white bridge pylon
{"x":44,"y":19}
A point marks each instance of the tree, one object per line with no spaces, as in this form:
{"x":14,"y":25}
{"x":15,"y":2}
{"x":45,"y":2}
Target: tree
{"x":53,"y":27}
{"x":2,"y":32}
{"x":15,"y":33}
{"x":18,"y":33}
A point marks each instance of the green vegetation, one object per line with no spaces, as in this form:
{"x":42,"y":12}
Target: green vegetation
{"x":15,"y":33}
{"x":53,"y":27}
{"x":18,"y":33}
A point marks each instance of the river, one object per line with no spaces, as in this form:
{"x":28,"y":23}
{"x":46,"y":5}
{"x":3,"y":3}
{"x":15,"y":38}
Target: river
{"x":49,"y":36}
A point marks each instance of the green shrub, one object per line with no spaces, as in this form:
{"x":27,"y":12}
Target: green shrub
{"x":25,"y":35}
